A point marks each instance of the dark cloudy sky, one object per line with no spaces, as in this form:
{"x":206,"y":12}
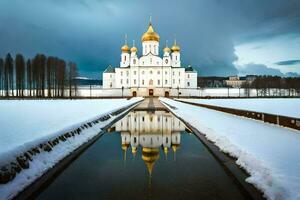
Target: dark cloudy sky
{"x":217,"y":37}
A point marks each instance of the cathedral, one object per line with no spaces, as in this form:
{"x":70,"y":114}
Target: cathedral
{"x":149,"y":74}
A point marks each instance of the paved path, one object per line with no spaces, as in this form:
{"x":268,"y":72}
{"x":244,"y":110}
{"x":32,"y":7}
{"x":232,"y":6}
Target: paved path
{"x":150,"y":104}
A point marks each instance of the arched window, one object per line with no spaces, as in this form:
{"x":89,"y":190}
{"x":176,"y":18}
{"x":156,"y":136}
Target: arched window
{"x":150,"y":82}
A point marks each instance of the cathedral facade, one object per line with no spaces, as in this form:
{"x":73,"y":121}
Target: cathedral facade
{"x":149,"y":74}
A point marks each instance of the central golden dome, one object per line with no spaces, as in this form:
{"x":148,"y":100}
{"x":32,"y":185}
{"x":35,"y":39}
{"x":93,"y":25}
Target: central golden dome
{"x":150,"y":35}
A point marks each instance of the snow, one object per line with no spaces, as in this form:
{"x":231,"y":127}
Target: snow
{"x":27,"y":123}
{"x":277,"y":106}
{"x":269,"y":153}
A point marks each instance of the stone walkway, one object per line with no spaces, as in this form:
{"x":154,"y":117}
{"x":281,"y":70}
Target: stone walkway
{"x":150,"y":104}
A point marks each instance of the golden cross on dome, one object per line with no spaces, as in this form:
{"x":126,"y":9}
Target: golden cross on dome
{"x":150,"y":18}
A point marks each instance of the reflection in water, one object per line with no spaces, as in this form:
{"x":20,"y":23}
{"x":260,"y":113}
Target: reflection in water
{"x":151,"y":131}
{"x":151,"y":139}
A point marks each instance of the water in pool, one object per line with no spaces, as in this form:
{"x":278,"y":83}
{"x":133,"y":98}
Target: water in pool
{"x":145,"y":155}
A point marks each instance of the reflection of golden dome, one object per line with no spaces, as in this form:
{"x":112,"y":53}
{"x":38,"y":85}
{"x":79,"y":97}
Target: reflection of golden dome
{"x":125,"y":147}
{"x":166,"y":150}
{"x":125,"y":48}
{"x":133,"y":150}
{"x":133,"y":49}
{"x":175,"y":147}
{"x":150,"y":155}
{"x":150,"y":34}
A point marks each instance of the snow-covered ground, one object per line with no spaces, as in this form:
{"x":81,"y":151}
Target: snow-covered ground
{"x":28,"y":123}
{"x":269,"y":153}
{"x":281,"y":106}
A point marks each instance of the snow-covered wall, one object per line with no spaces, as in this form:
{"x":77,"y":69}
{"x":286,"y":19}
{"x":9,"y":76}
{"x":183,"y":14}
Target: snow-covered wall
{"x":269,"y":153}
{"x":38,"y":134}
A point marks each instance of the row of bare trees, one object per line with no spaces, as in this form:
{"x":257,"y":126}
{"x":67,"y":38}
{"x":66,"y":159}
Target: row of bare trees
{"x":274,"y":86}
{"x":40,"y":77}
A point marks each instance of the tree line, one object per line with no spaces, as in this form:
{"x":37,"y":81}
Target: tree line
{"x":41,"y":76}
{"x":274,"y":86}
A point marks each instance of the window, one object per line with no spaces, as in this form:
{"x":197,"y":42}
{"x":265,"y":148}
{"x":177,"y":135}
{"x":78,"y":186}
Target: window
{"x":143,"y":72}
{"x":173,"y":81}
{"x":134,"y":61}
{"x":110,"y":76}
{"x":173,"y":73}
{"x":143,"y":82}
{"x":166,"y":81}
{"x":127,"y":81}
{"x":158,"y":82}
{"x":121,"y":81}
{"x":151,"y":72}
{"x":134,"y":81}
{"x":188,"y":84}
{"x":134,"y":72}
{"x":124,"y":58}
{"x":176,"y":58}
{"x":188,"y":76}
{"x":179,"y":81}
{"x":110,"y":85}
{"x":121,"y":73}
{"x":166,"y":61}
{"x":127,"y":73}
{"x":166,"y":72}
{"x":179,"y":73}
{"x":150,"y":60}
{"x":158,"y":72}
{"x":150,"y":82}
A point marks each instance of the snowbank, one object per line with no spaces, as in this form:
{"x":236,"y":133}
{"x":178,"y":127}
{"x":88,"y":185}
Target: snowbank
{"x":269,"y":153}
{"x":53,"y":128}
{"x":278,"y":106}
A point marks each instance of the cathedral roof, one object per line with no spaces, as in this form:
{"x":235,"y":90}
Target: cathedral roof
{"x":190,"y":69}
{"x":109,"y":69}
{"x":150,"y":34}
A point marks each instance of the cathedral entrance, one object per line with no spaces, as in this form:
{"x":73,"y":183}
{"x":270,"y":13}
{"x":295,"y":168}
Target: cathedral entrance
{"x":151,"y":92}
{"x":134,"y":93}
{"x":167,"y":94}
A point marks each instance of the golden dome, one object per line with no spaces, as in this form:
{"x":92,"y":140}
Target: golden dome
{"x":175,"y":47}
{"x":133,"y":49}
{"x":125,"y":48}
{"x":167,"y":50}
{"x":150,"y":34}
{"x":150,"y":155}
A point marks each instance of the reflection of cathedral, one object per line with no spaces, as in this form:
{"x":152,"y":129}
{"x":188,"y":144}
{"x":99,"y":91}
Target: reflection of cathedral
{"x":151,"y":131}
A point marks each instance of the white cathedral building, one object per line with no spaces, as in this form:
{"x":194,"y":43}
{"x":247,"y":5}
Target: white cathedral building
{"x":149,"y":74}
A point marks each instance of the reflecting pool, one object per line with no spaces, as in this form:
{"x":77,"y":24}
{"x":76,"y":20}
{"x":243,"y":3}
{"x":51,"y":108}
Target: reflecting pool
{"x":145,"y":155}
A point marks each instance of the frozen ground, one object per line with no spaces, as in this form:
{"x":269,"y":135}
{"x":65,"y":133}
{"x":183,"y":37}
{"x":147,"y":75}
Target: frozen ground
{"x":269,"y":153}
{"x":285,"y":106}
{"x":24,"y":124}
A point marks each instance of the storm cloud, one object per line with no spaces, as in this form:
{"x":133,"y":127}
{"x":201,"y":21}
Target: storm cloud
{"x":90,"y":32}
{"x":288,"y":62}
